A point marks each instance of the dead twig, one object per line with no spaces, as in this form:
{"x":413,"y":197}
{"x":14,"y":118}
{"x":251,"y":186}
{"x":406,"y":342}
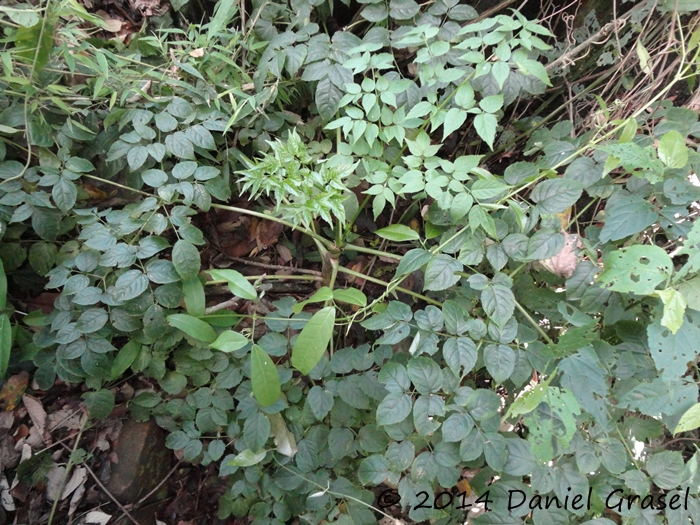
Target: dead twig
{"x":107,"y":492}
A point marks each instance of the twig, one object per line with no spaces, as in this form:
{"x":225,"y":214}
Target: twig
{"x":603,"y":32}
{"x":272,"y":266}
{"x":221,"y":306}
{"x":109,"y":494}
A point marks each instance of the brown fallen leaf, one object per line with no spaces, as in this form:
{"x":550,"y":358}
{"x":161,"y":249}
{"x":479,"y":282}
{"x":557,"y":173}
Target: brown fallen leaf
{"x":13,"y":390}
{"x":36,"y":412}
{"x":564,"y":263}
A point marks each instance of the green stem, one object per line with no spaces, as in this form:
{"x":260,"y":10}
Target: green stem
{"x":388,"y":285}
{"x":69,"y":465}
{"x":325,"y":242}
{"x":534,"y":323}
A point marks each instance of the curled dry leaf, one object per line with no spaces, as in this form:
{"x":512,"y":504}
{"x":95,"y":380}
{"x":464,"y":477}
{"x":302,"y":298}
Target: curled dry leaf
{"x":564,"y":263}
{"x":36,"y":412}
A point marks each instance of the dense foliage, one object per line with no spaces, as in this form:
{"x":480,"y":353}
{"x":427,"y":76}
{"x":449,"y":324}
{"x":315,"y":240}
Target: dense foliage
{"x":553,"y":345}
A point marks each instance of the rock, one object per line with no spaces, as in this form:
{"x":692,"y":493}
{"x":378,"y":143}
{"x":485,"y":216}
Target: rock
{"x":143,"y":461}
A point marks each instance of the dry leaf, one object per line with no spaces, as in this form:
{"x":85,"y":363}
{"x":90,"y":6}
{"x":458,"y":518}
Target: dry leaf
{"x":36,"y":412}
{"x":13,"y":390}
{"x":76,"y":480}
{"x":5,"y":498}
{"x":95,"y":517}
{"x":197,"y":53}
{"x":564,"y":263}
{"x":54,"y":478}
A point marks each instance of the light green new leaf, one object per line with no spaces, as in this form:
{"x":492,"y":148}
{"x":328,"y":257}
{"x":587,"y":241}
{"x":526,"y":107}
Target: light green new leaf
{"x":322,"y":295}
{"x":311,"y":343}
{"x":229,"y":341}
{"x":672,"y":150}
{"x":237,"y":283}
{"x":674,"y":308}
{"x":689,"y":421}
{"x":193,"y":327}
{"x":247,"y":458}
{"x":529,"y":400}
{"x":485,"y":125}
{"x":398,"y":233}
{"x":453,"y":121}
{"x":264,"y":377}
{"x":350,"y":296}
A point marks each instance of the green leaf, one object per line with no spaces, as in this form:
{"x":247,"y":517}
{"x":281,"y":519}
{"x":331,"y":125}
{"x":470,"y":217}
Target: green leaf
{"x":320,"y":401}
{"x":690,"y":290}
{"x":636,"y":269}
{"x":403,"y":9}
{"x":237,"y":283}
{"x":373,"y":470}
{"x":425,"y":375}
{"x":394,"y":408}
{"x":666,"y":469}
{"x":34,"y":44}
{"x":125,"y":358}
{"x":500,"y":361}
{"x":350,"y":296}
{"x":529,"y":400}
{"x":412,"y":261}
{"x":689,"y":421}
{"x":201,"y":137}
{"x":672,"y":150}
{"x":3,"y":286}
{"x":91,"y":320}
{"x":264,"y":377}
{"x":136,"y":157}
{"x":328,"y":96}
{"x":311,"y":343}
{"x":625,"y":216}
{"x":556,"y":195}
{"x":5,"y":343}
{"x":485,"y":125}
{"x":195,"y":300}
{"x":173,"y":382}
{"x":186,"y":259}
{"x":64,"y":194}
{"x":499,"y":303}
{"x":179,"y":145}
{"x":460,"y":354}
{"x":440,"y":272}
{"x":674,"y":308}
{"x":456,"y":427}
{"x":247,"y":458}
{"x":42,"y":256}
{"x":321,"y":295}
{"x":130,"y":285}
{"x":99,"y":404}
{"x":398,"y":232}
{"x":193,"y":327}
{"x":453,"y":121}
{"x":230,"y":341}
{"x":672,"y":352}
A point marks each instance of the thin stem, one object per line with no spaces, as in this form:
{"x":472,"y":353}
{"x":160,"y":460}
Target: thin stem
{"x":534,"y":323}
{"x":69,"y":465}
{"x":348,"y":271}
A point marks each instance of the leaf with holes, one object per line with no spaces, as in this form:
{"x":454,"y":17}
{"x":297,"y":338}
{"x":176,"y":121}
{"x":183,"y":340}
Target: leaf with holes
{"x":673,"y":352}
{"x":636,"y":269}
